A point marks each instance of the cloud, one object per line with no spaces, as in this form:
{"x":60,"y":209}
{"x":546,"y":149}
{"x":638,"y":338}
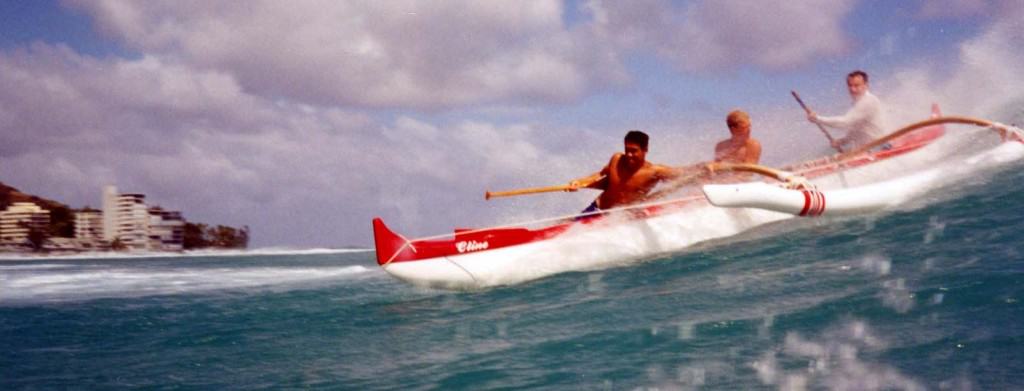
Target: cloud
{"x":730,"y":34}
{"x":983,"y":78}
{"x":194,"y":140}
{"x":374,"y":54}
{"x":57,"y":98}
{"x":951,"y":9}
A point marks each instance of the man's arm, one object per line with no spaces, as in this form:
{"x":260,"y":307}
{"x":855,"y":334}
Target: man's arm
{"x":841,"y":142}
{"x":753,"y":152}
{"x":860,"y":112}
{"x":592,"y":181}
{"x":853,"y":121}
{"x":673,"y":173}
{"x":678,"y":177}
{"x":720,"y":150}
{"x":595,"y":180}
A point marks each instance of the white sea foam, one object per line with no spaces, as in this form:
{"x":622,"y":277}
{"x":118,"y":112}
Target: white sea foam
{"x":876,"y":264}
{"x":103,"y":281}
{"x":897,"y":296}
{"x":32,"y":267}
{"x":191,"y":253}
{"x":833,"y":361}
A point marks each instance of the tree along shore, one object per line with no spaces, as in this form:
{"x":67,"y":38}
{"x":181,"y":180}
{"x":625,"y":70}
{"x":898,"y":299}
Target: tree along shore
{"x":62,"y":225}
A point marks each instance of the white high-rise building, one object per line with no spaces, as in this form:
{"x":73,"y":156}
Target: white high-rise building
{"x":133,"y":221}
{"x":89,"y":225}
{"x":109,"y":204}
{"x":127,"y":219}
{"x":19,"y":219}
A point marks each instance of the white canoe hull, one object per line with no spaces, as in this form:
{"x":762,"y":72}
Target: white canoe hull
{"x":620,"y":241}
{"x":608,"y":244}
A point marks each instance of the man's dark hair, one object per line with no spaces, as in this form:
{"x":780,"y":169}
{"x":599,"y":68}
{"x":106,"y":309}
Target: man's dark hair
{"x":637,"y":137}
{"x":862,"y":74}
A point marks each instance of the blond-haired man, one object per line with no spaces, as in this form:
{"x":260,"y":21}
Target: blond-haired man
{"x":740,"y":148}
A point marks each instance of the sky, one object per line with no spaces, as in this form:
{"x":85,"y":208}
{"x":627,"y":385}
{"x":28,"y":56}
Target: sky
{"x":306,"y":119}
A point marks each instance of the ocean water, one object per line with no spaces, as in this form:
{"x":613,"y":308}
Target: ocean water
{"x":927,"y":297}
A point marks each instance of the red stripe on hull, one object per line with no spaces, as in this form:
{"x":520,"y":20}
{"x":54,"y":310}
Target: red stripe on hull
{"x":807,"y":203}
{"x":822,"y":209}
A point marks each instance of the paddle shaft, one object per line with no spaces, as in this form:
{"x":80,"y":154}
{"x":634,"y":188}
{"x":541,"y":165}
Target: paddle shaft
{"x":831,"y":141}
{"x":533,"y":190}
{"x":508,"y":193}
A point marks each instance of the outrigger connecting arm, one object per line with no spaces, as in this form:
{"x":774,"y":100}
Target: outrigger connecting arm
{"x":1002,"y":129}
{"x":792,"y":180}
{"x":704,"y":171}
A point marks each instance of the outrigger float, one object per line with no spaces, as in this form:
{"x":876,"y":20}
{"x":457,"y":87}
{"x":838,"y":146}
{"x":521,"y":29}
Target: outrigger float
{"x":843,"y":184}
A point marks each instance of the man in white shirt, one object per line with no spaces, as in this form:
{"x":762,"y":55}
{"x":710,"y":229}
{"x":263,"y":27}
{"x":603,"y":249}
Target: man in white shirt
{"x":864,"y":121}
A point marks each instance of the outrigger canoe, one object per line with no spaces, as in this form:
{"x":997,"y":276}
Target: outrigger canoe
{"x":840,"y":184}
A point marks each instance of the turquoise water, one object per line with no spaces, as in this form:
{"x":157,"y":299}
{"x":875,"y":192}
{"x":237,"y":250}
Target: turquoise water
{"x":925,"y":298}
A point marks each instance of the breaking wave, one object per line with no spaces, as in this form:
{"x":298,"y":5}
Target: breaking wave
{"x":57,"y":282}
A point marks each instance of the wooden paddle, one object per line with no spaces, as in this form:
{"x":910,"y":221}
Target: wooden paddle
{"x":533,"y":190}
{"x":831,"y":141}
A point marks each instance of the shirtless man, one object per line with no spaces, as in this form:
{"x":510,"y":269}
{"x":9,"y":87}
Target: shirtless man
{"x":740,"y":148}
{"x":863,"y":122}
{"x":627,"y":178}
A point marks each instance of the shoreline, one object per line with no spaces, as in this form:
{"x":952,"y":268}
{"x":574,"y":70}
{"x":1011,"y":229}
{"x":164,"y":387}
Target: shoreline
{"x":30,"y":256}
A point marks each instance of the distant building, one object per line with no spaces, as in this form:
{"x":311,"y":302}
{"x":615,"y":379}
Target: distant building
{"x":18,"y":219}
{"x":109,"y":205}
{"x":133,"y":221}
{"x":65,"y":244}
{"x":88,"y":231}
{"x":166,"y":230}
{"x":89,"y":225}
{"x":127,"y":219}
